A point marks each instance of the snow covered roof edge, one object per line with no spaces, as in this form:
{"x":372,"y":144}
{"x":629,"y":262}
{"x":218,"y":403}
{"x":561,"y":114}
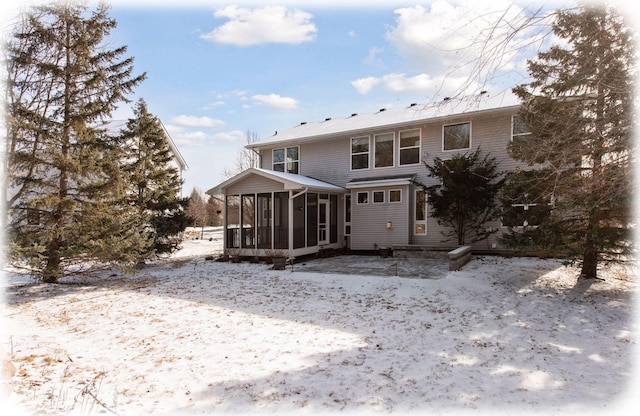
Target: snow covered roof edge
{"x":391,"y":117}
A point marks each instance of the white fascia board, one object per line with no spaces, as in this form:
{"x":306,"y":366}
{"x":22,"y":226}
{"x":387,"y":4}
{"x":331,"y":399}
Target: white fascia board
{"x":378,"y":183}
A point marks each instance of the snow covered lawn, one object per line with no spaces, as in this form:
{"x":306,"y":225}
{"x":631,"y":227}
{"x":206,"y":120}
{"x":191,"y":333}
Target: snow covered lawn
{"x":502,"y":336}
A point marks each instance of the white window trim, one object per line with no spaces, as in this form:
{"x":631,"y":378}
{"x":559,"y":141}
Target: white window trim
{"x":426,"y":214}
{"x":285,"y":162}
{"x":513,"y":119}
{"x":395,"y":202}
{"x":393,"y":157}
{"x":373,"y":199}
{"x":351,"y":154}
{"x":470,"y":136}
{"x":412,"y":147}
{"x":358,"y":199}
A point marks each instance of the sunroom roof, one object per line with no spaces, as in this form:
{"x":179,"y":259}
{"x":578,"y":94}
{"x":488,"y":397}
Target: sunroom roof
{"x":290,"y":181}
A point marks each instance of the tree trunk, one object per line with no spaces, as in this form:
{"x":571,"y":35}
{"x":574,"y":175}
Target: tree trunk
{"x":51,"y":272}
{"x":589,"y":264}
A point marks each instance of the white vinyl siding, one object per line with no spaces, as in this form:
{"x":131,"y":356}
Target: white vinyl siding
{"x":370,"y":222}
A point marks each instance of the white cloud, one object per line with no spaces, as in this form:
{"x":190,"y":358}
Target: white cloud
{"x":184,"y":138}
{"x":454,"y":47}
{"x":364,"y":85}
{"x":421,"y":83}
{"x":400,"y":82}
{"x":193,"y":121}
{"x":446,"y":35}
{"x":276,"y":101}
{"x":230,"y":136}
{"x":214,"y":105}
{"x":372,"y":57}
{"x":270,"y":24}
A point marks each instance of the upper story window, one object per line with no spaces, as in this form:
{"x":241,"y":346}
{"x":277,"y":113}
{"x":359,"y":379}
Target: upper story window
{"x":360,"y":152}
{"x":410,"y":147}
{"x":384,"y":150}
{"x":456,"y":136}
{"x":520,"y":132}
{"x":287,"y":159}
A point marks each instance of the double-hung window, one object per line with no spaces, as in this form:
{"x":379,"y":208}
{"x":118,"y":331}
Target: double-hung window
{"x":410,"y":147}
{"x":360,"y":153}
{"x":287,"y":159}
{"x":456,"y":136}
{"x":384,"y":150}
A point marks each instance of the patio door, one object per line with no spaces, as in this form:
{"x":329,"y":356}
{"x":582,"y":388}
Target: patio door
{"x":324,"y":214}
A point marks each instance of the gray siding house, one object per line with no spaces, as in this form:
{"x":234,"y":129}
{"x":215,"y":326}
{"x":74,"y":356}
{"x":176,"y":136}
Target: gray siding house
{"x":349,"y":182}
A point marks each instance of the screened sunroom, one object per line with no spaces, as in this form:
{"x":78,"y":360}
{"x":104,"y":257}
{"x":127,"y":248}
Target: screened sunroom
{"x":267,"y":212}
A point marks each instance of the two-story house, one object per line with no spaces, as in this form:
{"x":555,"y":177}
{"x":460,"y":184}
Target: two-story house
{"x":350,"y":182}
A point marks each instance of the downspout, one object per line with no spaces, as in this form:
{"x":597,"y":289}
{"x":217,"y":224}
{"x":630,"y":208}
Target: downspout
{"x":258,"y":160}
{"x":304,"y":191}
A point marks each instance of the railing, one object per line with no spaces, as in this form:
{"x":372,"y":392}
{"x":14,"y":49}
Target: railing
{"x":246,"y":236}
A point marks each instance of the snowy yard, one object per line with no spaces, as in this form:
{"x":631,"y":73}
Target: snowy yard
{"x":190,"y":336}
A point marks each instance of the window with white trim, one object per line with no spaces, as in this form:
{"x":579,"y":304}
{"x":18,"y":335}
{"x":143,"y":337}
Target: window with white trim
{"x":409,"y":147}
{"x":286,"y":159}
{"x":360,"y":152}
{"x":456,"y":136}
{"x":420,"y":213}
{"x":378,"y":197}
{"x":519,"y":129}
{"x":384,"y":150}
{"x":362,"y":197}
{"x":395,"y":196}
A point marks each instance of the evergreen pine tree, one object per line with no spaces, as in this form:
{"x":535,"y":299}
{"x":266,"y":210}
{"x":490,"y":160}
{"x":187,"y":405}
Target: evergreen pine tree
{"x":155,"y":181}
{"x":579,"y":109}
{"x":465,"y":198}
{"x":64,"y":181}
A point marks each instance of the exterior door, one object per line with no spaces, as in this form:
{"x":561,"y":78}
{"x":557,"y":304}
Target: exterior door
{"x":323,"y":222}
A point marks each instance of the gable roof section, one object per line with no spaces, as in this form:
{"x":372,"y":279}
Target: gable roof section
{"x":394,"y":117}
{"x":290,"y":181}
{"x":116,"y":126}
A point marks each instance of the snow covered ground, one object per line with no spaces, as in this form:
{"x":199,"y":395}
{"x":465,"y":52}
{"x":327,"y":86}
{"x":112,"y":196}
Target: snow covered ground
{"x":190,"y":336}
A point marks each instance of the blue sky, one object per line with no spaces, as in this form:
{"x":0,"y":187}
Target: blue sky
{"x":217,"y":70}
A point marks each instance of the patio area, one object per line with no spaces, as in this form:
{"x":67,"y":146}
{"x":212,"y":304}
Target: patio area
{"x":416,"y":268}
